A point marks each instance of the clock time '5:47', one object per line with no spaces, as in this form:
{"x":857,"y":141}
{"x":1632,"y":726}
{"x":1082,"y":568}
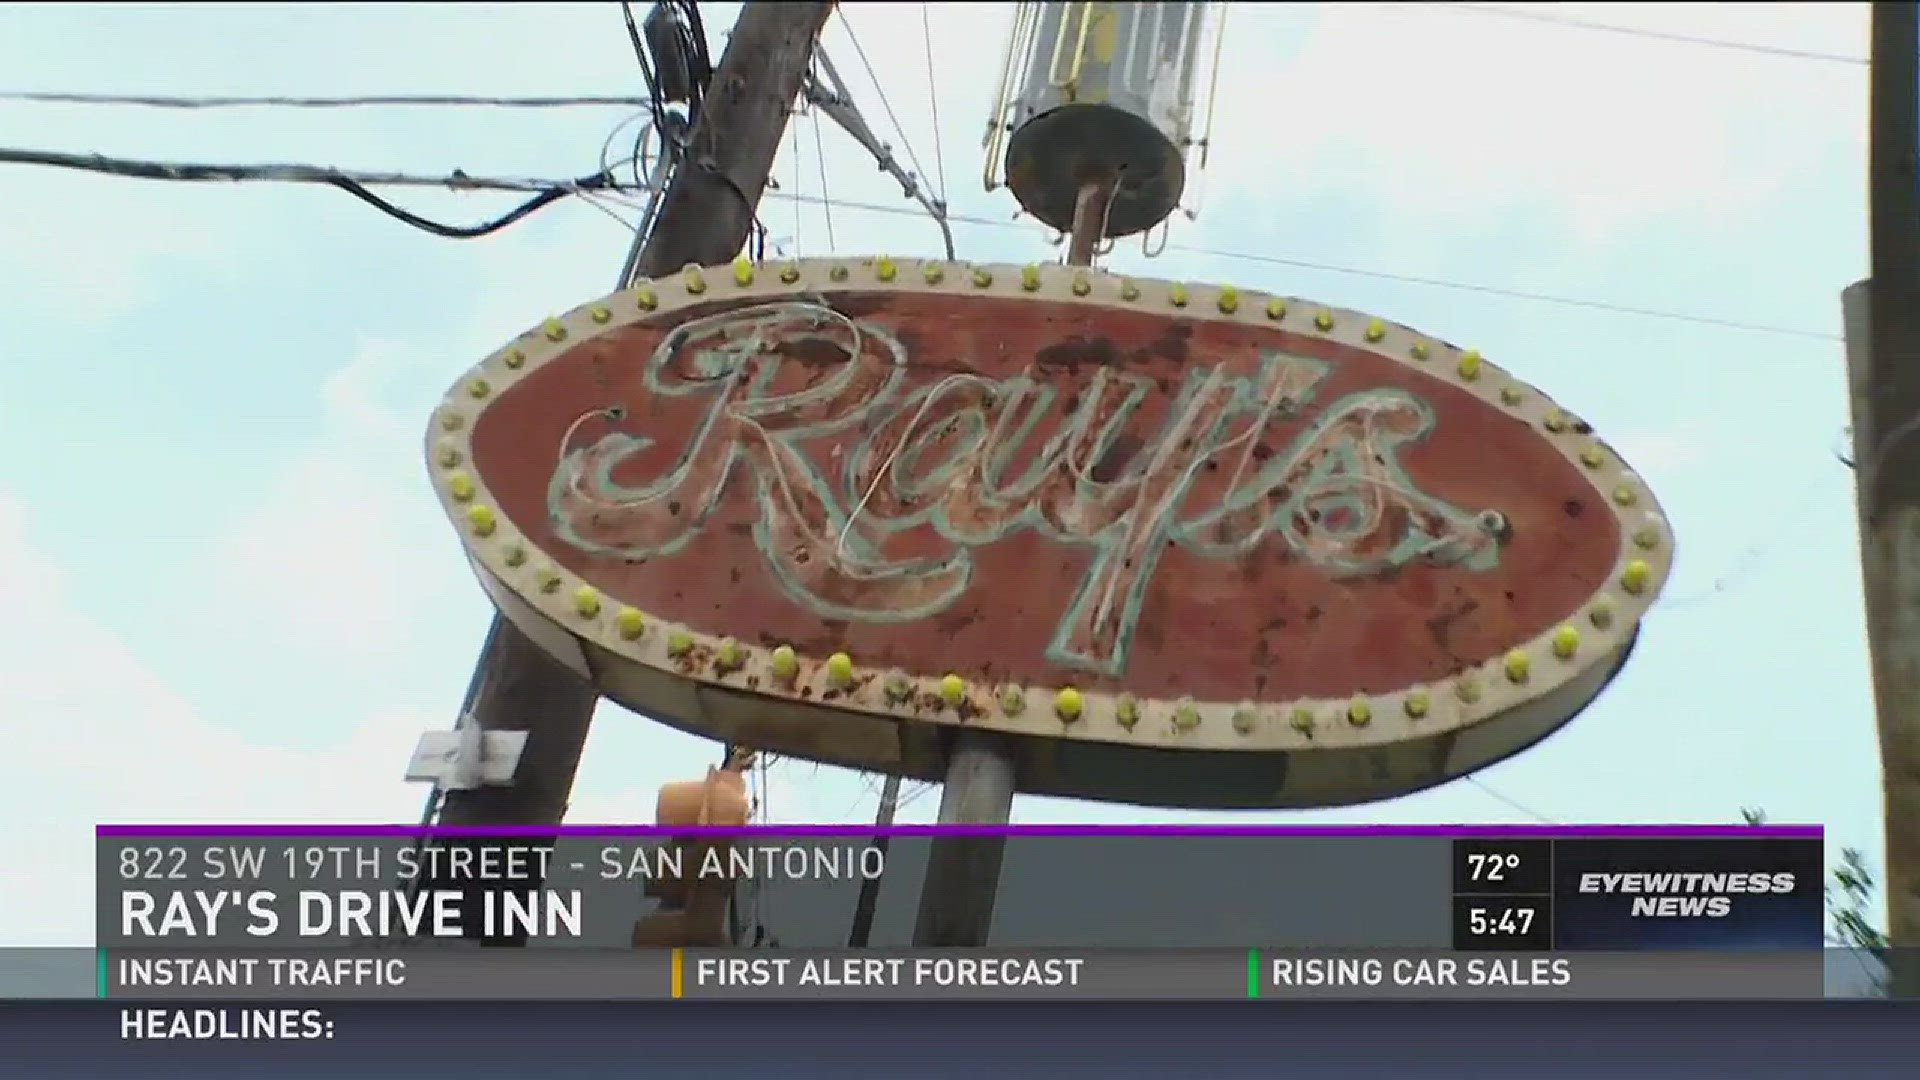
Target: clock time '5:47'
{"x":1484,"y":923}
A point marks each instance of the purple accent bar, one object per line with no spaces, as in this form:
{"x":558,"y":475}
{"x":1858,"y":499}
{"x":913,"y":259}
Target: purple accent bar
{"x":1542,"y":832}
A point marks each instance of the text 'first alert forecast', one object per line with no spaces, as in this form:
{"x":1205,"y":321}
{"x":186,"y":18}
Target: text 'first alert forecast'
{"x":942,"y":971}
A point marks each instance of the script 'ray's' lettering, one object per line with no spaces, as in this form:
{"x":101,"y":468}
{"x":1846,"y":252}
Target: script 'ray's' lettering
{"x":881,"y":526}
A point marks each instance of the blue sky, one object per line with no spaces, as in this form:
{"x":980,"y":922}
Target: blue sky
{"x":227,"y":593}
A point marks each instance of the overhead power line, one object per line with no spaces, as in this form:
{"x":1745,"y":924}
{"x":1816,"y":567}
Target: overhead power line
{"x":293,"y":174}
{"x":546,"y":192}
{"x":371,"y":100}
{"x":1379,"y":275}
{"x":1655,"y":35}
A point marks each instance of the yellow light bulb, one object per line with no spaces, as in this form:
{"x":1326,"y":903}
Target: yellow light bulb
{"x":1276,"y":309}
{"x":1178,"y":295}
{"x":1301,"y":720}
{"x":1229,"y":299}
{"x":1470,"y":364}
{"x":694,"y":281}
{"x":982,"y":278}
{"x":953,"y":689}
{"x":554,"y":331}
{"x":480,"y":519}
{"x":1081,"y":286}
{"x":743,"y":271}
{"x":586,"y":601}
{"x":460,"y":486}
{"x":785,"y":664}
{"x":1359,"y":714}
{"x":1067,"y":705}
{"x":1376,"y":330}
{"x":1013,"y":701}
{"x":839,"y":669}
{"x":1566,"y":642}
{"x":933,"y":273}
{"x":1126,"y":711}
{"x":646,"y":299}
{"x":630,"y":622}
{"x":1518,"y":666}
{"x":600,"y":315}
{"x":679,"y":643}
{"x":1417,"y":703}
{"x":1030,"y":278}
{"x":1186,"y":718}
{"x":789,"y":274}
{"x":1635,"y":576}
{"x":884,"y":269}
{"x":1323,"y":321}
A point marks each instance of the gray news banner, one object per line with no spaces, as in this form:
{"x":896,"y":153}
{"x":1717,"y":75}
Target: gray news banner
{"x":1079,"y":891}
{"x":1088,"y":917}
{"x":950,"y":975}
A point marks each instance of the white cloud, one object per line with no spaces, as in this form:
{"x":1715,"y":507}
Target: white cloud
{"x":1453,"y":118}
{"x":1442,"y":121}
{"x":333,"y":559}
{"x":1671,"y":449}
{"x":99,"y":738}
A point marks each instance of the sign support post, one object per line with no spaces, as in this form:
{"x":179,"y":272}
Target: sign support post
{"x":963,"y":873}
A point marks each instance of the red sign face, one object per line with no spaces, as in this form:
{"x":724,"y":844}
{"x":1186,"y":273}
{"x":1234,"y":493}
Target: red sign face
{"x":1153,"y":494}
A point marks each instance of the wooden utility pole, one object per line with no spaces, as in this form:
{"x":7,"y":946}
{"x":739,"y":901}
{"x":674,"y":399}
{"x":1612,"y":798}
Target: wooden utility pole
{"x":1884,"y":376}
{"x":705,"y":217}
{"x":869,"y":900}
{"x":963,"y":873}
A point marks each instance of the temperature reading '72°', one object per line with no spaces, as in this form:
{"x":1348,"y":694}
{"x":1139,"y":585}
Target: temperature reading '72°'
{"x":1491,"y":867}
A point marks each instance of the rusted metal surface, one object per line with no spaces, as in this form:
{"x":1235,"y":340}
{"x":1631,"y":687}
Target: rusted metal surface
{"x":1044,"y":493}
{"x":1179,"y":545}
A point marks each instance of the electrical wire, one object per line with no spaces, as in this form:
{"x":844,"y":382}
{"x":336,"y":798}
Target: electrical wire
{"x":885,"y":103}
{"x":1653,"y":35}
{"x":547,"y":192}
{"x":1510,"y":803}
{"x":1607,"y":307}
{"x":152,"y":101}
{"x":679,"y":134}
{"x":933,"y":99}
{"x":825,"y":199}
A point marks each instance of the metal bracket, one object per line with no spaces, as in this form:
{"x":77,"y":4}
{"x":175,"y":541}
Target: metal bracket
{"x":466,"y":758}
{"x":833,"y":99}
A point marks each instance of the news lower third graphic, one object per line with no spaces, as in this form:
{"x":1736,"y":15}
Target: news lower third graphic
{"x":191,"y":920}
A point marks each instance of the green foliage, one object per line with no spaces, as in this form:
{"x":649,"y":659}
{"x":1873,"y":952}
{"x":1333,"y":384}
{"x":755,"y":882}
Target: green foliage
{"x":1849,"y":894}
